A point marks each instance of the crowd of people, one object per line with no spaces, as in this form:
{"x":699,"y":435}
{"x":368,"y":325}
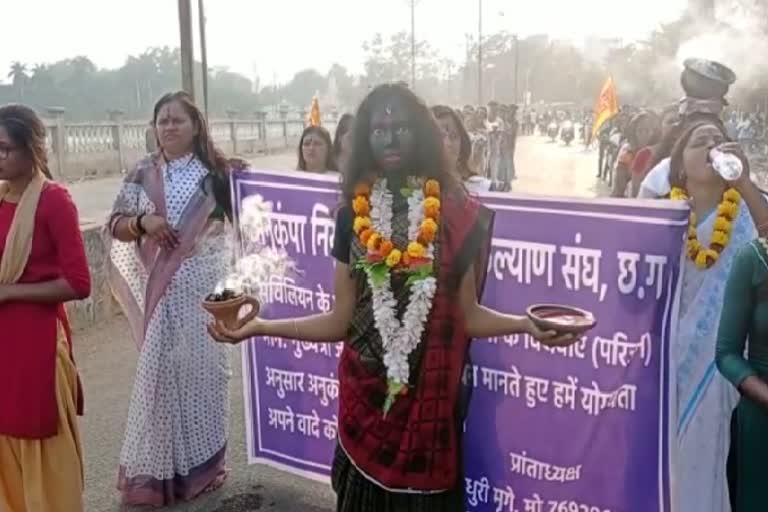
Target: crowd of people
{"x":480,"y":143}
{"x":166,"y":241}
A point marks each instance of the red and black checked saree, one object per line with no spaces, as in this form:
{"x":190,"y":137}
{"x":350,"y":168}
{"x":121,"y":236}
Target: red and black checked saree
{"x":413,"y":455}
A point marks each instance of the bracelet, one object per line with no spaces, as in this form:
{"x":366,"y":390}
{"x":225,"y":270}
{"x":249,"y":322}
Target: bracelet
{"x":132,"y":229}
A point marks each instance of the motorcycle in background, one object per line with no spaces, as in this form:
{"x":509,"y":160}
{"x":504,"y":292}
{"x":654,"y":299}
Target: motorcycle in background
{"x":552,"y":131}
{"x":567,"y":132}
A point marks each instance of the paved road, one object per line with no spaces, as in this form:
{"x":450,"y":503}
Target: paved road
{"x":107,"y":359}
{"x":552,"y":169}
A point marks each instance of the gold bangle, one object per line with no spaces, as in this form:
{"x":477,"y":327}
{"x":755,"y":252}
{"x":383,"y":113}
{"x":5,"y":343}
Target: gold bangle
{"x":132,"y":227}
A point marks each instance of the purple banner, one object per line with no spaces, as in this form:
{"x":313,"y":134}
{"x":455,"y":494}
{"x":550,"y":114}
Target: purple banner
{"x":577,"y":429}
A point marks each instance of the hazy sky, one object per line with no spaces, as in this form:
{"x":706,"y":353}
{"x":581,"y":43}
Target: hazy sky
{"x":279,"y":37}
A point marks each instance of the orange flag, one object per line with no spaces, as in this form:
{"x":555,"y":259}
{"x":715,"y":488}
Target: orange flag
{"x":607,"y":105}
{"x":314,"y":113}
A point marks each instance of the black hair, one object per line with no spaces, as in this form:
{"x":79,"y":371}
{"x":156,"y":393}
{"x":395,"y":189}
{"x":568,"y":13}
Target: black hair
{"x":205,"y":150}
{"x":430,"y":157}
{"x":465,"y":143}
{"x":344,"y":125}
{"x":330,"y":161}
{"x":26,"y":130}
{"x":676,"y":174}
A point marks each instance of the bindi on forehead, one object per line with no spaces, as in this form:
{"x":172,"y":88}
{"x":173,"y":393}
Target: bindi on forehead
{"x":384,"y":119}
{"x":172,"y":110}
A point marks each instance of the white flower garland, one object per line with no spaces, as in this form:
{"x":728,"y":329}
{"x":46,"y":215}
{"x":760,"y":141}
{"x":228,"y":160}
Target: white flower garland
{"x":381,"y":209}
{"x":399,"y":339}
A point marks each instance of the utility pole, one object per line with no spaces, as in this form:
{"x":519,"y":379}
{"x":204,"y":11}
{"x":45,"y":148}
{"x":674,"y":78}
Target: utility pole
{"x":480,"y":53}
{"x":186,"y":47}
{"x":517,"y":62}
{"x":203,"y":54}
{"x":413,"y":45}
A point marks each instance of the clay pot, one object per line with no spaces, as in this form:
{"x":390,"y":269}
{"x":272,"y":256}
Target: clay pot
{"x":228,"y":311}
{"x":705,"y":79}
{"x":561,"y":319}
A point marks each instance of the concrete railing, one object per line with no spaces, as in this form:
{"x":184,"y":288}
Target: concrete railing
{"x":101,"y":305}
{"x":88,"y":150}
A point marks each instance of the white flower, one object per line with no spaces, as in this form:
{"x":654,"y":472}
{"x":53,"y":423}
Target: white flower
{"x":415,"y":213}
{"x":399,"y":339}
{"x":381,"y":209}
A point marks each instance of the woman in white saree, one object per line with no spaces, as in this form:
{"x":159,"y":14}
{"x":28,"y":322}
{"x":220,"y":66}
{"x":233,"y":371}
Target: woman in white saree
{"x":728,"y":213}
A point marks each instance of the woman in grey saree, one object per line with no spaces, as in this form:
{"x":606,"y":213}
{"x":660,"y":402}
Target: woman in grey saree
{"x":167,"y":250}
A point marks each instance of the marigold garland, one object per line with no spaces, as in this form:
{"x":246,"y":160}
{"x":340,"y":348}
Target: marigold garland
{"x":373,"y":225}
{"x":727,"y":211}
{"x":380,"y":247}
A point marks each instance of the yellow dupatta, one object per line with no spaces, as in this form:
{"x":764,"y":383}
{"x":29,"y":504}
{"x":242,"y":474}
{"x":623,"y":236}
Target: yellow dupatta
{"x":18,"y":242}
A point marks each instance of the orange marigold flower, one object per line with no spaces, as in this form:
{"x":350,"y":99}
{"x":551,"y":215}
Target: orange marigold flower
{"x":416,"y":250}
{"x":720,"y":238}
{"x":693,"y":247}
{"x":432,"y":188}
{"x":361,"y":206}
{"x":707,"y":258}
{"x":432,"y":207}
{"x":425,"y":236}
{"x":362,"y":189}
{"x":429,"y":225}
{"x":394,"y":258}
{"x":361,"y":223}
{"x":732,"y":195}
{"x":405,"y":258}
{"x":366,"y":235}
{"x":374,"y":242}
{"x":723,"y":225}
{"x":678,"y":194}
{"x":728,"y":210}
{"x":386,"y":248}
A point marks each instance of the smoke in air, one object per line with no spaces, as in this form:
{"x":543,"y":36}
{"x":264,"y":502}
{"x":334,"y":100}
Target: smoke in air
{"x":257,"y":260}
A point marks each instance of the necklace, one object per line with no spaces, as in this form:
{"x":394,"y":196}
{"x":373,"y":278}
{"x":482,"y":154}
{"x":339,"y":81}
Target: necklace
{"x":727,"y":211}
{"x":373,"y":226}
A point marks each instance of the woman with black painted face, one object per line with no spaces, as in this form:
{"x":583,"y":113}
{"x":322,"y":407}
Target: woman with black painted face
{"x":411,"y":252}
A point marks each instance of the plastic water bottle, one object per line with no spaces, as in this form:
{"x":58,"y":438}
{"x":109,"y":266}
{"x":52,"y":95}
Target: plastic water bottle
{"x":728,"y":165}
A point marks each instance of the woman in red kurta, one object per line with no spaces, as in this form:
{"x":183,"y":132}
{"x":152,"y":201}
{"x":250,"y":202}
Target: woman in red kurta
{"x":42,"y":266}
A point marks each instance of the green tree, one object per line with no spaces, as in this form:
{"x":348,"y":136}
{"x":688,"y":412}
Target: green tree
{"x":19,"y":78}
{"x":348,"y":93}
{"x":304,"y":85}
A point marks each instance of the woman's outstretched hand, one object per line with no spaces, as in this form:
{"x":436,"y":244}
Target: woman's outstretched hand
{"x":224,"y":334}
{"x":549,"y":338}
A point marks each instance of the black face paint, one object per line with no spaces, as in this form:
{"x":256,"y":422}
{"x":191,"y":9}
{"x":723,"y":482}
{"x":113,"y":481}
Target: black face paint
{"x":392,"y":138}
